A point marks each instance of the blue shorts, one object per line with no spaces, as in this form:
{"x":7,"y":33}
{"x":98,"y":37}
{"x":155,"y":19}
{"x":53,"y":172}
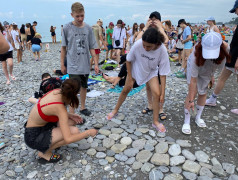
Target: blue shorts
{"x":35,"y":48}
{"x":109,"y":47}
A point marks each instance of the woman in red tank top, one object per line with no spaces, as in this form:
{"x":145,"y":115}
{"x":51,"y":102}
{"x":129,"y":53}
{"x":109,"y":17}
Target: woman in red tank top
{"x":50,"y":126}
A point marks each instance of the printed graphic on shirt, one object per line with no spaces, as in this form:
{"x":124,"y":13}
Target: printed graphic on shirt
{"x":147,"y":57}
{"x":80,"y":43}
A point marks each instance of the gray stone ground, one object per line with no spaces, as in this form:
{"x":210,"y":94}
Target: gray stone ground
{"x":126,"y":147}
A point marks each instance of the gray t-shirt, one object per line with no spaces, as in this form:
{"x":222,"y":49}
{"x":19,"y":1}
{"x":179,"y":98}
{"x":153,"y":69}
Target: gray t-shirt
{"x":78,"y":42}
{"x":202,"y":73}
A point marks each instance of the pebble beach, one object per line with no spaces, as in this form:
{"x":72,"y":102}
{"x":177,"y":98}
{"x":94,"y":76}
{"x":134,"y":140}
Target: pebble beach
{"x":127,"y":147}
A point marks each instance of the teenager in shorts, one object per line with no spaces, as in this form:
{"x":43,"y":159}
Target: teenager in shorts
{"x":119,"y":40}
{"x":230,"y":68}
{"x":79,"y":39}
{"x":7,"y":57}
{"x":147,"y":56}
{"x":109,"y":33}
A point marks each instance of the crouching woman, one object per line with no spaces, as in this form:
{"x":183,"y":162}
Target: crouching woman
{"x":50,"y":126}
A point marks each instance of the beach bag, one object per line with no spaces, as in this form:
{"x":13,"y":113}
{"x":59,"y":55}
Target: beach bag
{"x":117,"y":42}
{"x":109,"y":68}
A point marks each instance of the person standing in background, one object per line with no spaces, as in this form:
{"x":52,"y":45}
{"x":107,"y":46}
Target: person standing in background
{"x":7,"y":58}
{"x":23,"y":37}
{"x":53,"y":35}
{"x":34,"y":27}
{"x":109,"y":33}
{"x":17,"y":44}
{"x":28,"y":35}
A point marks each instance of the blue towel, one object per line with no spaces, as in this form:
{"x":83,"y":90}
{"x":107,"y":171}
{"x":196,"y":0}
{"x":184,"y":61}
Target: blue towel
{"x":133,"y":91}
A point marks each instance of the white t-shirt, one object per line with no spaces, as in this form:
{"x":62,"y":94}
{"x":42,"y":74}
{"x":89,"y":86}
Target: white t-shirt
{"x":116,"y":36}
{"x":5,"y":35}
{"x":130,"y":32}
{"x":147,"y":64}
{"x":14,"y":34}
{"x":171,"y":44}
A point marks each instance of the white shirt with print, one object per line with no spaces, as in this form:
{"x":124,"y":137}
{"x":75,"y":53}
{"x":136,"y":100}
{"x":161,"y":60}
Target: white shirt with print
{"x":116,"y":36}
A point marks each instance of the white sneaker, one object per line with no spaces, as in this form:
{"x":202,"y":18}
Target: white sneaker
{"x":211,"y":101}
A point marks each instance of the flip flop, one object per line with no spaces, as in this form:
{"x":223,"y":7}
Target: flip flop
{"x":200,"y":123}
{"x":186,"y":129}
{"x":85,"y":112}
{"x":158,"y":128}
{"x":110,"y":116}
{"x":162,"y":116}
{"x":234,"y":111}
{"x":53,"y":159}
{"x":13,"y":77}
{"x":146,"y":110}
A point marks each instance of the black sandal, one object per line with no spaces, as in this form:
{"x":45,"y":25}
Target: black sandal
{"x":146,"y":111}
{"x":85,"y":112}
{"x":53,"y":159}
{"x":162,"y":116}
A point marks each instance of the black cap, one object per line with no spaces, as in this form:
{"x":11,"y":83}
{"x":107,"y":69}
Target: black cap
{"x":234,"y":8}
{"x":181,"y":21}
{"x":155,"y":14}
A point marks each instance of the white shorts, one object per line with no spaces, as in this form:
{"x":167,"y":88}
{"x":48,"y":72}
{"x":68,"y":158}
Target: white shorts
{"x":17,"y":45}
{"x":232,"y":70}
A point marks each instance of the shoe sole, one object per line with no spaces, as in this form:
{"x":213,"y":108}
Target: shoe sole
{"x":213,"y":105}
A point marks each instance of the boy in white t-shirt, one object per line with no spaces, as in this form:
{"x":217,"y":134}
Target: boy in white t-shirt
{"x":146,"y":57}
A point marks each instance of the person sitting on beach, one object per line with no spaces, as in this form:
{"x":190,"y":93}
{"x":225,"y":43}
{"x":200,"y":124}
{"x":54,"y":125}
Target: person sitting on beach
{"x":172,"y":48}
{"x":208,"y":55}
{"x":121,"y":78}
{"x":36,"y":46}
{"x":50,"y":126}
{"x":48,"y":83}
{"x":147,"y":56}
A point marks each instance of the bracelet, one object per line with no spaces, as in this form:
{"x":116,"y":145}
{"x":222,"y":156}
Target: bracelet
{"x":143,"y":30}
{"x":191,"y":101}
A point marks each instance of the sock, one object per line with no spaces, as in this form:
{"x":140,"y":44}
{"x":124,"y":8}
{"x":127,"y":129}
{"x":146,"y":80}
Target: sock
{"x":214,"y":95}
{"x":187,"y":116}
{"x":199,"y":111}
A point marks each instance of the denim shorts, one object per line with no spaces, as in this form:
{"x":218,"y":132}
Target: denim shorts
{"x":35,"y":48}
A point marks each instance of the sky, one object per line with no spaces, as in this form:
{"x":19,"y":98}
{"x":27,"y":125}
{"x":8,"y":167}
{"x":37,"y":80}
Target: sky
{"x":57,"y":12}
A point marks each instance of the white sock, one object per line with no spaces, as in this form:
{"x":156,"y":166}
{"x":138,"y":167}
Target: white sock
{"x":199,"y":111}
{"x":187,"y":116}
{"x":214,"y":96}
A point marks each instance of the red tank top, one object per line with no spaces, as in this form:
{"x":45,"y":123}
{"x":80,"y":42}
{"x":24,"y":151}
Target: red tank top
{"x":42,"y":115}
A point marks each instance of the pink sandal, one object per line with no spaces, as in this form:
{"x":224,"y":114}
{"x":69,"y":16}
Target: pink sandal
{"x":159,"y":127}
{"x":111,"y":115}
{"x":235,"y":111}
{"x":13,"y":77}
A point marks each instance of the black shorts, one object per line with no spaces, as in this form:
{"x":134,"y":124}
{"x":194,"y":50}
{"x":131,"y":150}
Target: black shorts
{"x":4,"y":57}
{"x":53,"y":34}
{"x":28,"y":38}
{"x":118,"y":48}
{"x":39,"y":138}
{"x":123,"y":74}
{"x":109,"y":47}
{"x":179,"y":49}
{"x":82,"y":79}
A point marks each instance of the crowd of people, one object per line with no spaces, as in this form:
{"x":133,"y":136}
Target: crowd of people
{"x":146,"y":49}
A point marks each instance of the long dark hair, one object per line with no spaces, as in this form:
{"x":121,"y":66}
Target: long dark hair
{"x":153,"y":36}
{"x":142,"y":25}
{"x":32,"y":30}
{"x":1,"y":27}
{"x":51,"y":29}
{"x":200,"y":60}
{"x":22,"y":30}
{"x":134,"y":29}
{"x":69,"y":91}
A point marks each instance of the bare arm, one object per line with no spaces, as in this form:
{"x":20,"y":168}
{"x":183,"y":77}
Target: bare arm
{"x":191,"y":93}
{"x":65,"y":129}
{"x":188,"y":39}
{"x":216,"y":29}
{"x":95,"y":59}
{"x":62,"y":58}
{"x":4,"y":44}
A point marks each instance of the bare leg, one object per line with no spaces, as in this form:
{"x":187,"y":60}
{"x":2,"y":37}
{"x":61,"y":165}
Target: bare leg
{"x":38,"y":54}
{"x":225,"y":74}
{"x":123,"y":96}
{"x":201,"y":100}
{"x":10,"y":64}
{"x":118,"y":52}
{"x":83,"y":92}
{"x":4,"y":67}
{"x":18,"y":55}
{"x":149,"y":96}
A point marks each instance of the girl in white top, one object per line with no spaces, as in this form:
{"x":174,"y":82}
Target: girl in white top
{"x":147,"y":56}
{"x":132,"y":33}
{"x":207,"y":56}
{"x":16,"y":39}
{"x":118,"y":40}
{"x":212,"y":25}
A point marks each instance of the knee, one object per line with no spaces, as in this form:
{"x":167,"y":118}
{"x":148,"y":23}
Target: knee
{"x":156,"y":95}
{"x":74,"y":130}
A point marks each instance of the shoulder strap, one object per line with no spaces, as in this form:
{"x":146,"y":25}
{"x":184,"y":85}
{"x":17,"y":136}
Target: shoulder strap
{"x":120,"y":34}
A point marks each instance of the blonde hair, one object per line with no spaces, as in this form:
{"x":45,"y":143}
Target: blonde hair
{"x":77,"y":7}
